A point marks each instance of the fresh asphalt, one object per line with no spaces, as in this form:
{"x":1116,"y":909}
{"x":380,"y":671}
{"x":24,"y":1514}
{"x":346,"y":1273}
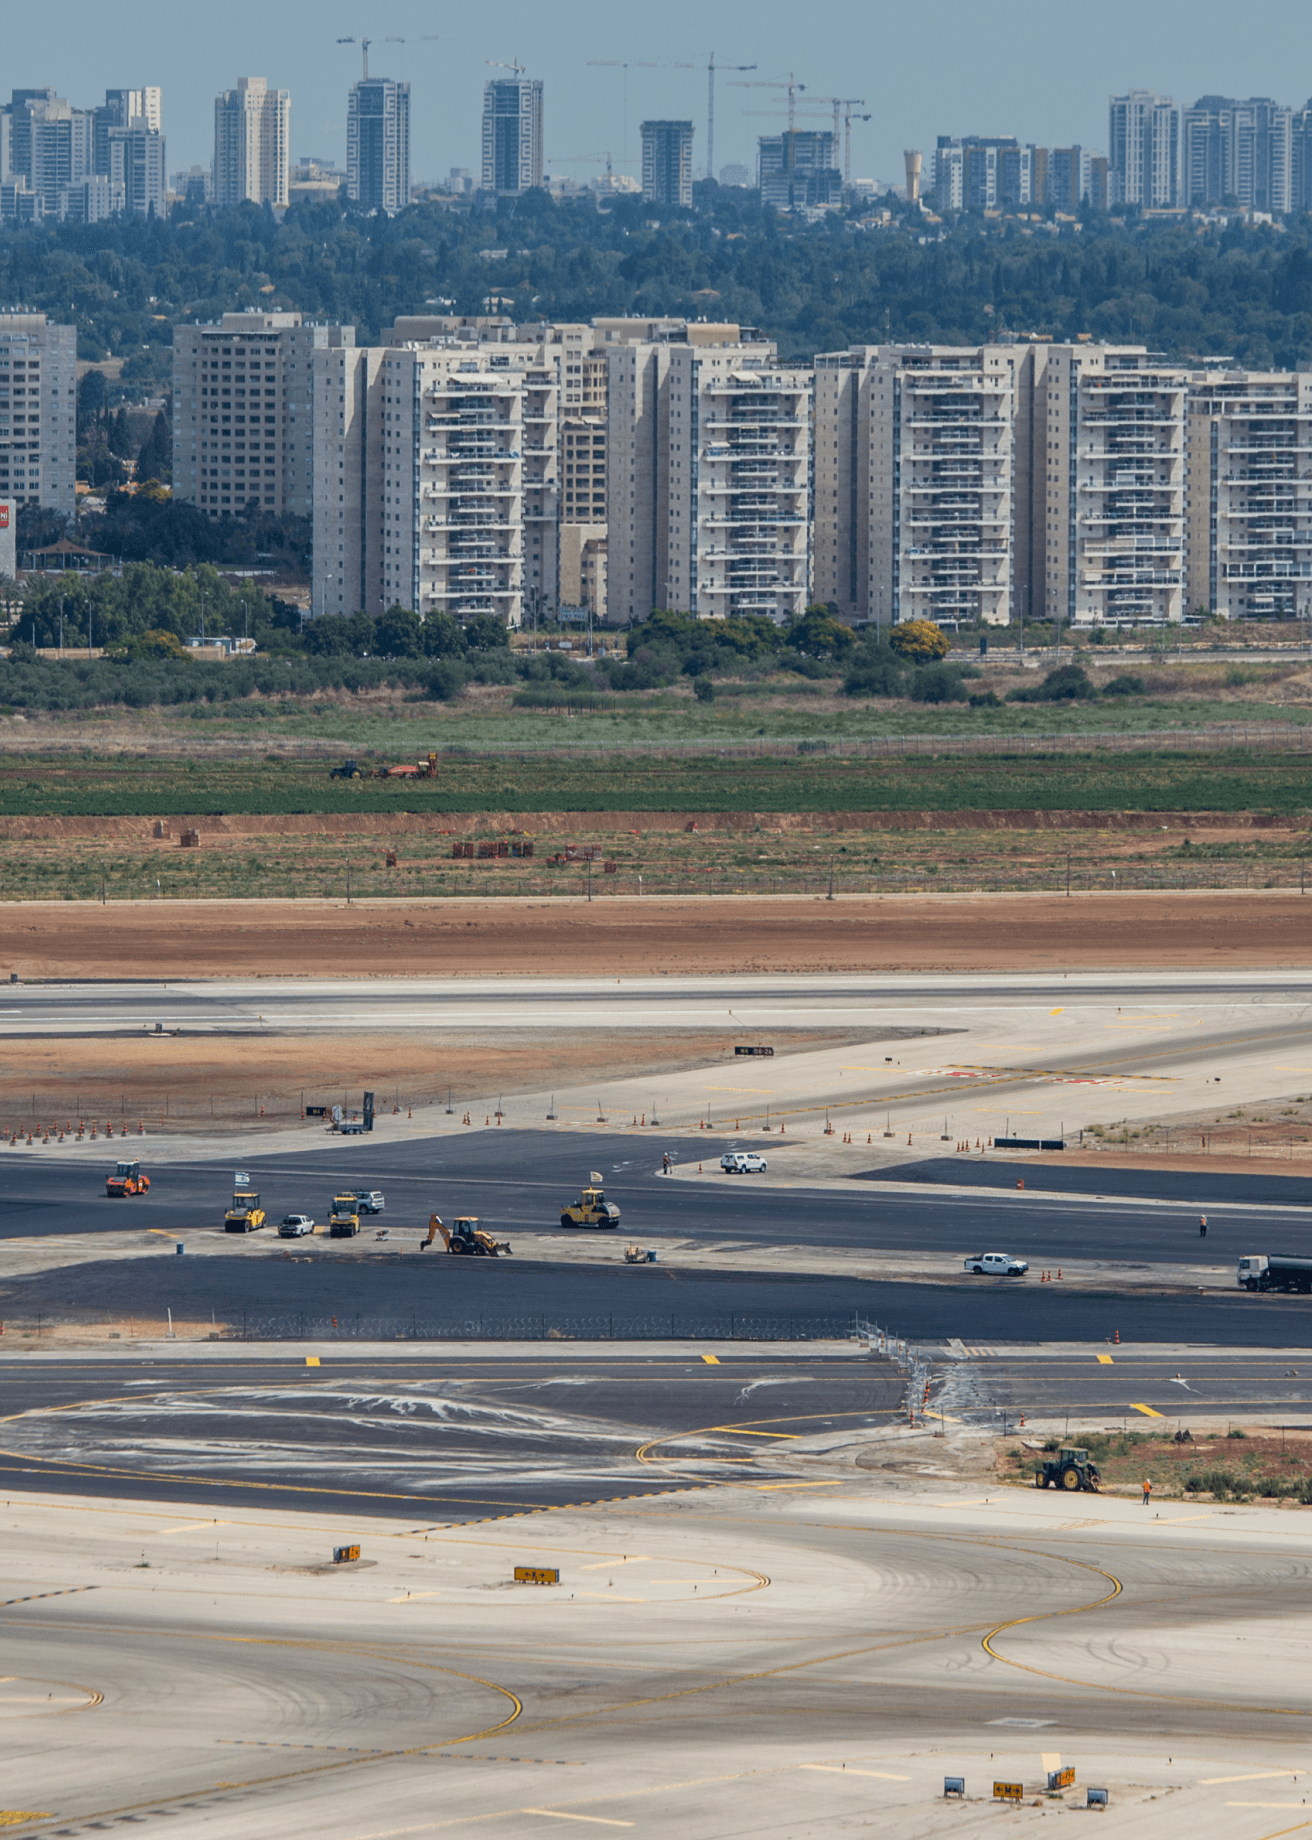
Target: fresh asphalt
{"x":431,"y":1439}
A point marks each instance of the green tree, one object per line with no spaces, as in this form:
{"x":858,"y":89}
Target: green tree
{"x":819,"y":635}
{"x":398,"y":634}
{"x":155,"y":461}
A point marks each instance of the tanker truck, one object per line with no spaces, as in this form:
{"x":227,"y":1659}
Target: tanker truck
{"x":1274,"y":1271}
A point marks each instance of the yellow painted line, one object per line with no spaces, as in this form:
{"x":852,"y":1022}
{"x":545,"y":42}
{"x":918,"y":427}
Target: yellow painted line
{"x":596,"y":1820}
{"x":1105,"y":1360}
{"x":1146,"y":1410}
{"x":1056,"y":1012}
{"x":838,"y":1769}
{"x":787,"y":1437}
{"x":1212,"y":1782}
{"x":15,"y":1817}
{"x":763,"y":1488}
{"x":311,"y":1360}
{"x":165,"y":1232}
{"x":711,"y":1360}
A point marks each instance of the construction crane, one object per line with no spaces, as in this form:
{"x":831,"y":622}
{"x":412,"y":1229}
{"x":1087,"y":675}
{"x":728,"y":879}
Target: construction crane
{"x":364,"y":44}
{"x":790,"y":83}
{"x":498,"y":64}
{"x":625,"y":65}
{"x":849,"y":104}
{"x":710,"y":109}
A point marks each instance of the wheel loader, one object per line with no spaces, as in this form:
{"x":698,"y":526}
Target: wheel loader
{"x":1070,"y":1469}
{"x":465,"y":1238}
{"x":127,"y":1179}
{"x":591,"y":1209}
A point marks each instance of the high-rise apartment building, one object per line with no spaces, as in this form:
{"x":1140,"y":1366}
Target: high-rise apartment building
{"x":138,"y":176}
{"x":797,"y":170}
{"x":1143,"y":138}
{"x":378,"y":145}
{"x":512,"y":135}
{"x":1238,"y":153}
{"x":1248,"y":494}
{"x":709,"y":469}
{"x":243,"y":412}
{"x":915,"y":482}
{"x":667,"y":162}
{"x":252,"y":144}
{"x":38,"y":411}
{"x":1106,"y":492}
{"x":978,"y":173}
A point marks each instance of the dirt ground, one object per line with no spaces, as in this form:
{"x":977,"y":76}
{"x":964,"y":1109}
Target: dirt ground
{"x":187,"y":1081}
{"x":658,"y":935}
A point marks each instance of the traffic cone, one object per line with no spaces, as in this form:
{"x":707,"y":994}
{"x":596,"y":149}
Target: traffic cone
{"x":410,"y":1111}
{"x":699,"y":1169}
{"x":1117,"y":1336}
{"x":869,"y":1139}
{"x":488,"y":1119}
{"x":1059,"y":1271}
{"x":141,"y":1129}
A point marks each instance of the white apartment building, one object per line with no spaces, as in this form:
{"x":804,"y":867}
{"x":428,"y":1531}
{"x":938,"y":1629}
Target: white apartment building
{"x":436,"y":479}
{"x":1107,"y":486}
{"x":1144,"y":149}
{"x":709,"y":477}
{"x":243,"y":412}
{"x":38,"y":412}
{"x":252,"y":144}
{"x":915,"y":482}
{"x":1249,"y":494}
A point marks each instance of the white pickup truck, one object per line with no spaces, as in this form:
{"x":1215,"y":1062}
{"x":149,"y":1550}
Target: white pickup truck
{"x":997,"y":1265}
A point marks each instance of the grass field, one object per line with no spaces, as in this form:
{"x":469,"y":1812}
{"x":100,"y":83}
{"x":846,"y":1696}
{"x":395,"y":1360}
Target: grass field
{"x":1220,"y":781}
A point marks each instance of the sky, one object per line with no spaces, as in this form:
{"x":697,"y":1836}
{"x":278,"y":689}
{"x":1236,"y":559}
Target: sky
{"x":954,"y":67}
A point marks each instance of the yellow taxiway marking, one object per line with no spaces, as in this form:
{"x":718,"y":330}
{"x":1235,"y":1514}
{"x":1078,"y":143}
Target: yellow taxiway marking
{"x":597,"y":1820}
{"x":16,"y":1817}
{"x":1056,"y":1012}
{"x":787,"y":1437}
{"x":1105,"y":1360}
{"x":1212,"y":1782}
{"x":158,"y":1533}
{"x":711,"y":1360}
{"x":763,"y":1487}
{"x":1146,"y":1410}
{"x":311,"y":1360}
{"x":838,"y":1769}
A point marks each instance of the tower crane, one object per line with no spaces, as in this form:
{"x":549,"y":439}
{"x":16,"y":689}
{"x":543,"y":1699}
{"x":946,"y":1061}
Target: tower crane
{"x":364,"y":44}
{"x":625,"y":65}
{"x":710,"y":108}
{"x":789,"y":83}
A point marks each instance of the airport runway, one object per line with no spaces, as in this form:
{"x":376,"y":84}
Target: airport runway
{"x":748,"y":1660}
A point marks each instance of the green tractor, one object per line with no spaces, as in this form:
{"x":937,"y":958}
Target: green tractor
{"x":1069,"y":1469}
{"x":348,"y":769}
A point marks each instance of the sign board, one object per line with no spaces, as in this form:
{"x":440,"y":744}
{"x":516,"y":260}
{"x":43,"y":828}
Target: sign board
{"x":1061,"y":1779}
{"x":1029,"y":1143}
{"x":1008,"y":1792}
{"x":1097,"y":1798}
{"x":345,"y":1555}
{"x":765,"y":1052}
{"x":954,"y":1785}
{"x":316,"y":1111}
{"x":536,"y":1574}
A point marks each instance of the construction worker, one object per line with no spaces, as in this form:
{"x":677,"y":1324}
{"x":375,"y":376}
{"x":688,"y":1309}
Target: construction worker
{"x":665,"y":1163}
{"x":1147,"y":1491}
{"x":1202,"y":1226}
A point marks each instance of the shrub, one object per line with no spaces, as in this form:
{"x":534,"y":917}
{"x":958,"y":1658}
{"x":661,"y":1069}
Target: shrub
{"x":920,"y":640}
{"x":1069,"y":683}
{"x":938,"y":683}
{"x":703,"y":689}
{"x":986,"y":699}
{"x":1129,"y":683}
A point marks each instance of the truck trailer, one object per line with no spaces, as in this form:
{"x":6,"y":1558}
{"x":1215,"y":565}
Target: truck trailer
{"x":1274,"y":1271}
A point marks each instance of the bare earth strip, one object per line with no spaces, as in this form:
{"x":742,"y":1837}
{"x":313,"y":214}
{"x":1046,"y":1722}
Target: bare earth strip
{"x":680,"y":935}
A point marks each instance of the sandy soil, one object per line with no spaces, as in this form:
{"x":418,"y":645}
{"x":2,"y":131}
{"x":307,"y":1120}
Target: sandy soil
{"x":180,"y":1082}
{"x":624,"y":936}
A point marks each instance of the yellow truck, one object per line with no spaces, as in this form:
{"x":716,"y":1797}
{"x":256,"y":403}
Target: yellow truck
{"x":344,"y":1218}
{"x":591,"y":1209}
{"x":245,"y":1215}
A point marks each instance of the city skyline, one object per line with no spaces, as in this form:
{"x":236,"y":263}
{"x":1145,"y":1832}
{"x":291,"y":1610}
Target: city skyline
{"x":594,"y":104}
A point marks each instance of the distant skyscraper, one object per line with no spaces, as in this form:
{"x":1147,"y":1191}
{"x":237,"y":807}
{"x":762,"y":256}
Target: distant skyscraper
{"x":512,"y":135}
{"x":1144,"y":150}
{"x":797,"y":169}
{"x":378,"y":145}
{"x":667,"y":162}
{"x":252,"y":135}
{"x":1238,"y":150}
{"x":977,"y":172}
{"x":137,"y":169}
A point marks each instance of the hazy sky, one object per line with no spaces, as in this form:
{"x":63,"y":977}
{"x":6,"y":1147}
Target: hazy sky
{"x":950,"y":67}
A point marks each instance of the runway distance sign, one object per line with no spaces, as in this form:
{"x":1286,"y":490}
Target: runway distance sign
{"x":1008,"y":1792}
{"x":1061,"y":1779}
{"x":536,"y":1574}
{"x":765,"y":1052}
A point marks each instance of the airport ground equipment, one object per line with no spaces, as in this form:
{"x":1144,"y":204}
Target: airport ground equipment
{"x":245,"y":1215}
{"x":465,"y":1238}
{"x":1274,"y":1271}
{"x":1069,"y":1469}
{"x":591,"y":1209}
{"x":343,"y":1218}
{"x":127,"y":1179}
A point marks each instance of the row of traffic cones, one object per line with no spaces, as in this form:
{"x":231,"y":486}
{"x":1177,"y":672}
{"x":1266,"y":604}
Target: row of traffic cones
{"x":1046,"y":1277}
{"x":44,"y":1132}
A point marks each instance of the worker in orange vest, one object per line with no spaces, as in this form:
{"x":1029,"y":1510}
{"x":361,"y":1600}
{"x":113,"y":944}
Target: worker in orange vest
{"x":1147,"y":1491}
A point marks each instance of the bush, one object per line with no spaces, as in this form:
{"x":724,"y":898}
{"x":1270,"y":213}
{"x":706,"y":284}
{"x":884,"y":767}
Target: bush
{"x":1129,"y":683}
{"x":986,"y":699}
{"x":938,"y":683}
{"x":1069,"y":683}
{"x":920,"y":640}
{"x":703,"y":689}
{"x":874,"y":669}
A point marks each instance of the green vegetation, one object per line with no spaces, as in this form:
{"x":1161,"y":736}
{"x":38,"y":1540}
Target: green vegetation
{"x":1179,"y":288}
{"x":777,"y":782}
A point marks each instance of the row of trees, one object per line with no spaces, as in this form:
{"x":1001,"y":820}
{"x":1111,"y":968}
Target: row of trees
{"x":1180,"y":288}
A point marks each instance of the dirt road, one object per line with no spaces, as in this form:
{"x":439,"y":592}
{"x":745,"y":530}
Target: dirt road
{"x":665,"y":935}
